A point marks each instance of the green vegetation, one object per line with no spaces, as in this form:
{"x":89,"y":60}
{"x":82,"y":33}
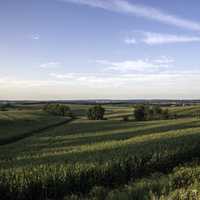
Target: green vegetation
{"x":145,"y":112}
{"x":58,"y":109}
{"x":181,"y":184}
{"x":108,"y":159}
{"x":187,"y":111}
{"x":6,"y":106}
{"x":96,"y":113}
{"x":17,"y":124}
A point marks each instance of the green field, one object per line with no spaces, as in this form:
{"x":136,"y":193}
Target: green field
{"x":17,"y":124}
{"x":108,"y":159}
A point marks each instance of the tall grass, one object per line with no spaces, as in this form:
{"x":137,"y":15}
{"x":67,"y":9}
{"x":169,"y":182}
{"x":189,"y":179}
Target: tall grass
{"x":55,"y":182}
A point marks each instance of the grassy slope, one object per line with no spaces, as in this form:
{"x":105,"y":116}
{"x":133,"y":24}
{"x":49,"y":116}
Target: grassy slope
{"x":17,"y":123}
{"x":88,"y":142}
{"x":85,"y":141}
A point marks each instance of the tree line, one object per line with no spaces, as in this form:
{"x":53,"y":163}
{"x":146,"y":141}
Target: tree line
{"x":58,"y":109}
{"x":97,"y":112}
{"x":146,"y":112}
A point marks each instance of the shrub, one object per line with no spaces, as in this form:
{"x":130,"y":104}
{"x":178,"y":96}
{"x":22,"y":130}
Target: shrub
{"x":6,"y":107}
{"x":96,"y":113}
{"x":58,"y":109}
{"x":145,"y":112}
{"x":166,"y":114}
{"x":98,"y":193}
{"x":140,"y":113}
{"x":125,"y":118}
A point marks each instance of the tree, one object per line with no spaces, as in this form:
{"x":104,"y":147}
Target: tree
{"x":64,"y":110}
{"x":6,"y":106}
{"x":58,"y":109}
{"x":96,"y":113}
{"x":140,"y":113}
{"x":125,"y":118}
{"x":166,"y":114}
{"x":157,"y":110}
{"x":146,"y":112}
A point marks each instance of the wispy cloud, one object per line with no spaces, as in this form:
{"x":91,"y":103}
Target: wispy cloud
{"x":137,"y":65}
{"x":157,"y":38}
{"x":152,"y":38}
{"x":130,"y":40}
{"x":126,"y":7}
{"x":50,"y":65}
{"x":164,"y":60}
{"x":35,"y":36}
{"x":103,"y":80}
{"x":177,"y":84}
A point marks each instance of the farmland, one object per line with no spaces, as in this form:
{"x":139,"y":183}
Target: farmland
{"x":18,"y":124}
{"x":79,"y":159}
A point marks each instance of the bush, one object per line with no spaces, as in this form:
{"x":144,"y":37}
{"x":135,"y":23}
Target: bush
{"x":140,"y":113}
{"x":125,"y":118}
{"x":98,"y":193}
{"x":145,"y":112}
{"x":6,"y":107}
{"x":58,"y":109}
{"x":96,"y":113}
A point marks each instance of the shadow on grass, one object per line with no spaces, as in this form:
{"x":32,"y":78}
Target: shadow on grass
{"x":116,"y":134}
{"x":159,"y":145}
{"x":21,"y":136}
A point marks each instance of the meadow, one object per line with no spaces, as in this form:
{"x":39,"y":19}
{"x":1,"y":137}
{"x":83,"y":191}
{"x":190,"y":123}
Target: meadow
{"x":18,"y":124}
{"x":108,"y":159}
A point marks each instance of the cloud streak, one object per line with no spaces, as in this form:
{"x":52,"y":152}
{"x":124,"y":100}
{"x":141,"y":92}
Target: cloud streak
{"x":157,"y":38}
{"x":50,"y":65}
{"x":144,"y":66}
{"x":124,"y":6}
{"x":152,"y":38}
{"x":130,"y":41}
{"x":184,"y":84}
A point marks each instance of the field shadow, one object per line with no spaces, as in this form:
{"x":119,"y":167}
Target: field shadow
{"x":159,"y":145}
{"x":116,"y":135}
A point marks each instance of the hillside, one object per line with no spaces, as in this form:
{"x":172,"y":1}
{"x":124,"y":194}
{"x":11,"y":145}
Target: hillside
{"x":78,"y":156}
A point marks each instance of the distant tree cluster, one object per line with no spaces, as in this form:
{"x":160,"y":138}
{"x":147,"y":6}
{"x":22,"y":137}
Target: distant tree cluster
{"x":125,"y":118}
{"x":58,"y":109}
{"x":6,"y":106}
{"x":146,"y":112}
{"x":96,"y":113}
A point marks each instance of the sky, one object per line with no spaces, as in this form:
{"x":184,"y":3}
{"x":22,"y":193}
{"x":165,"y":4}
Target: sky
{"x":99,"y":49}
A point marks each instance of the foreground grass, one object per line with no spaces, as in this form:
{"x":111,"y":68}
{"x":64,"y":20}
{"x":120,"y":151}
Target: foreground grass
{"x":56,"y":181}
{"x":183,"y":183}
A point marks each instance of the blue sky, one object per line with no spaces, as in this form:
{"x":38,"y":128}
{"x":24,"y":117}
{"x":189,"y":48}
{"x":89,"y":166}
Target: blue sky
{"x":77,"y":49}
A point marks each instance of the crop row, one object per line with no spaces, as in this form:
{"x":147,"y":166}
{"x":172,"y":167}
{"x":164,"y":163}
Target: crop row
{"x":55,"y":182}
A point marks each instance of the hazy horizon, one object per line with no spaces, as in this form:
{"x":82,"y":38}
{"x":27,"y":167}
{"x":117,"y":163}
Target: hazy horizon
{"x":97,"y":49}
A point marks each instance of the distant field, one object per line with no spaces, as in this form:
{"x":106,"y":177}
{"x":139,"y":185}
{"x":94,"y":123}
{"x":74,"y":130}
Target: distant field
{"x":187,"y":111}
{"x":82,"y":154}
